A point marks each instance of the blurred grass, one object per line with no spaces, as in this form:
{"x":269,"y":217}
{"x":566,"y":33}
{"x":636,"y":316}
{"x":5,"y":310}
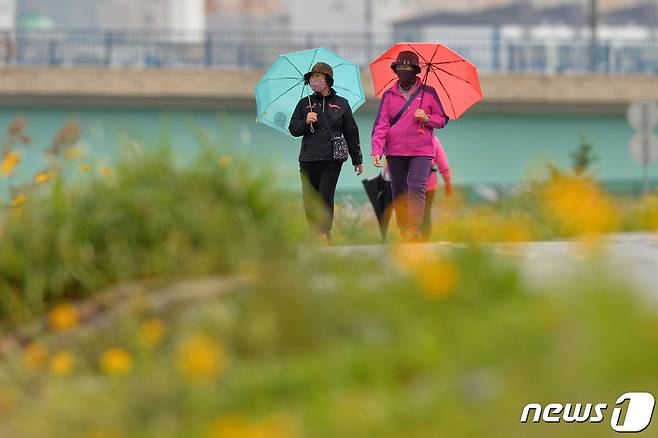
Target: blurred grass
{"x":326,"y":346}
{"x":149,"y":217}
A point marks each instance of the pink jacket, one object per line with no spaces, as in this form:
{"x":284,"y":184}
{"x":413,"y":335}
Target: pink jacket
{"x":403,"y":138}
{"x":441,"y":160}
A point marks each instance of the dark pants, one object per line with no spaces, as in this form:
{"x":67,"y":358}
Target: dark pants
{"x":426,"y":227}
{"x":408,"y":180}
{"x":319,"y":178}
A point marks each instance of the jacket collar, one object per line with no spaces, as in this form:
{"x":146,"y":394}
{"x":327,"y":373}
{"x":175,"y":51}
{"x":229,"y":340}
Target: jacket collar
{"x":396,"y":87}
{"x":320,"y":96}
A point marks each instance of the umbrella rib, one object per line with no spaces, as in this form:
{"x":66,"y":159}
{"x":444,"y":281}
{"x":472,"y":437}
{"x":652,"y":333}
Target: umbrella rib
{"x":276,"y":79}
{"x":448,"y":62}
{"x":293,"y":65}
{"x":312,"y":59}
{"x":436,"y":49}
{"x":454,"y":76}
{"x":418,"y":53}
{"x":444,"y":89}
{"x":280,"y":96}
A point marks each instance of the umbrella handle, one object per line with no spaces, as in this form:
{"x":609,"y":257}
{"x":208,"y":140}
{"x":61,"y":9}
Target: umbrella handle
{"x":310,"y":108}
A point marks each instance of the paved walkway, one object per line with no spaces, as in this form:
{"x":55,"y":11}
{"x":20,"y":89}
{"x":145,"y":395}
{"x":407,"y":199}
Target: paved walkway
{"x":633,"y":256}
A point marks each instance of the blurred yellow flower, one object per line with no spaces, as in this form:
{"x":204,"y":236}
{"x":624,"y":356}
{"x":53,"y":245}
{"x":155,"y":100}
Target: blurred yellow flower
{"x":43,"y":177}
{"x":516,"y":230}
{"x":18,"y":200}
{"x":106,"y":170}
{"x":152,"y":331}
{"x":409,"y":256}
{"x":103,"y":435}
{"x":62,"y":363}
{"x":435,"y":276}
{"x":7,"y":402}
{"x":224,"y":160}
{"x":200,"y":358}
{"x":116,"y":361}
{"x":580,"y":207}
{"x":85,"y":167}
{"x":9,"y":163}
{"x":63,"y":317}
{"x":74,"y":152}
{"x":238,"y":426}
{"x":35,"y":356}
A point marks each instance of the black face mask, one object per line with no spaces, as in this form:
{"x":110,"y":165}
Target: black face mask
{"x":407,"y":78}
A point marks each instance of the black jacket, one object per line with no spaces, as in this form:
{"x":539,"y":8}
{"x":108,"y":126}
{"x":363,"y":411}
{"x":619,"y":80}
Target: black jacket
{"x":317,"y":146}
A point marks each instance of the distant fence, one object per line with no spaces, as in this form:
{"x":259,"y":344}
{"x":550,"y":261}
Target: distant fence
{"x":257,"y":49}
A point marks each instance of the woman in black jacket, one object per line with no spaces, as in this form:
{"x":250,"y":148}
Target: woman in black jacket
{"x":318,"y":168}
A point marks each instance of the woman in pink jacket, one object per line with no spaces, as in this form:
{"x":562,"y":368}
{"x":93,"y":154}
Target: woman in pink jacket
{"x":439,"y":163}
{"x":404,"y":136}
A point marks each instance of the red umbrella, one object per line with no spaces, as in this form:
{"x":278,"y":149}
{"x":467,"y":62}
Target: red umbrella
{"x":454,"y":78}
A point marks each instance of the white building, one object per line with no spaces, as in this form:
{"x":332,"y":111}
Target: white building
{"x":186,"y":15}
{"x":7,"y":14}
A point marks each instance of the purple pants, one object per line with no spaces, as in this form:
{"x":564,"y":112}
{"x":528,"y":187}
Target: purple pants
{"x":408,"y":180}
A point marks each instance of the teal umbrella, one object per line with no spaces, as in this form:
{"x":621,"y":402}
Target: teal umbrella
{"x":279,"y":90}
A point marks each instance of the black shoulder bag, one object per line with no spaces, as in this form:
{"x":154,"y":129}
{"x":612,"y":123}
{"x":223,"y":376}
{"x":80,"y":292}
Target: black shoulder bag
{"x":395,"y":119}
{"x":338,"y":143}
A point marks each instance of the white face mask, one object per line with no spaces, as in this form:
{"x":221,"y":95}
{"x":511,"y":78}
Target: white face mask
{"x":317,"y":84}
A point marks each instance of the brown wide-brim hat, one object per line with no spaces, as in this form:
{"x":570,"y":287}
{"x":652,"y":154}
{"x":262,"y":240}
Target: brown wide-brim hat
{"x":407,"y":57}
{"x":321,"y":67}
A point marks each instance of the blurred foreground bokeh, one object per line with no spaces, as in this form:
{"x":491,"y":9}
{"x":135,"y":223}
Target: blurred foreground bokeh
{"x":163,"y":299}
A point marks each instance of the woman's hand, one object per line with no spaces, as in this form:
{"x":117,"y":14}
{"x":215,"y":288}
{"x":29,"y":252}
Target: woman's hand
{"x":447,"y":190}
{"x":421,"y":115}
{"x":311,"y":118}
{"x":358,"y":169}
{"x":377,"y":160}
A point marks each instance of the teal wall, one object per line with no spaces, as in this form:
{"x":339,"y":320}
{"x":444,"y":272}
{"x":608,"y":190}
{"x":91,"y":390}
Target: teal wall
{"x":482,"y":148}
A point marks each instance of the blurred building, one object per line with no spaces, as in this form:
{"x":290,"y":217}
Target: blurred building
{"x":7,"y":14}
{"x":554,"y":38}
{"x":64,"y":14}
{"x":246,"y":15}
{"x":173,"y":15}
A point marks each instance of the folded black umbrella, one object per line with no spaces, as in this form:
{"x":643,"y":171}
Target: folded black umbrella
{"x":379,"y":192}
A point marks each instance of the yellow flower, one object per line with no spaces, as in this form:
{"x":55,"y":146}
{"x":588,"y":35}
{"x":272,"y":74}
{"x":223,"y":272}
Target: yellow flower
{"x":238,"y":426}
{"x":62,"y":363}
{"x":116,"y":361}
{"x":85,"y":167}
{"x":103,"y":435}
{"x":106,"y":170}
{"x":74,"y":152}
{"x":224,"y":160}
{"x":580,"y":207}
{"x":200,"y":358}
{"x":35,"y":356}
{"x":43,"y":177}
{"x":7,"y":402}
{"x":152,"y":331}
{"x":435,"y":276}
{"x":63,"y":317}
{"x":409,"y":256}
{"x":18,"y":200}
{"x":9,"y":163}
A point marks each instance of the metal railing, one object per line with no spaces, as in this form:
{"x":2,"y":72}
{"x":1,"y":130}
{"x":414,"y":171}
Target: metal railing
{"x":257,"y":49}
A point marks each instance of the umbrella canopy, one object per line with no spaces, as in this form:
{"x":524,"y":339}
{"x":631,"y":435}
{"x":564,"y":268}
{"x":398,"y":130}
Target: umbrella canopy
{"x":279,"y":90}
{"x":454,"y":78}
{"x":380,"y":195}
